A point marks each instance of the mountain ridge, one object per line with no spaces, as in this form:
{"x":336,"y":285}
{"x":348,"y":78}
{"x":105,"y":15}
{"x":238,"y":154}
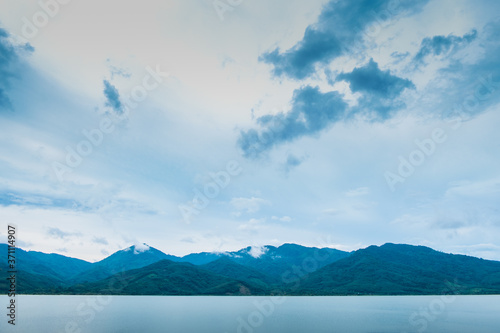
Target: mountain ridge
{"x":290,"y":269}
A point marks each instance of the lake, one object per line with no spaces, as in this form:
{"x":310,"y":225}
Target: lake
{"x":207,"y":314}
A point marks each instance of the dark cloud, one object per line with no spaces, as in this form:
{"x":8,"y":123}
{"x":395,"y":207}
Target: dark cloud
{"x":299,"y":62}
{"x":442,"y":45}
{"x":112,"y":97}
{"x":380,"y":89}
{"x":312,"y":111}
{"x":9,"y":56}
{"x":472,"y":87}
{"x":340,"y":25}
{"x":371,"y":80}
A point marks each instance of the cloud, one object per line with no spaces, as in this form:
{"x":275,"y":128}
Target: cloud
{"x":117,"y":71}
{"x":360,"y":191}
{"x":464,"y":205}
{"x":112,"y":97}
{"x":442,"y":45}
{"x":58,"y":233}
{"x":479,"y":250}
{"x":188,"y":239}
{"x":331,"y":212}
{"x":257,"y":251}
{"x":47,"y":200}
{"x":299,"y":62}
{"x":473,"y":85}
{"x":312,"y":111}
{"x":23,"y":244}
{"x":140,"y":247}
{"x":252,"y":226}
{"x":371,"y":80}
{"x":482,"y":190}
{"x":100,"y":240}
{"x":292,"y":162}
{"x":9,"y":56}
{"x":22,"y":199}
{"x":380,"y":89}
{"x":249,"y":205}
{"x":282,"y":219}
{"x":340,"y":25}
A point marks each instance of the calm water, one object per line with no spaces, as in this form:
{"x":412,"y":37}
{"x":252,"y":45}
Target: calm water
{"x":453,"y":314}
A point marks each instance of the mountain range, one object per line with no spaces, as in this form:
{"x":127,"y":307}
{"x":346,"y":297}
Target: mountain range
{"x":290,"y":269}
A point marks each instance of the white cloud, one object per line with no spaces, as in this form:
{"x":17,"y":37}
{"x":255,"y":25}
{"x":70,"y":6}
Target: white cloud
{"x":360,"y":191}
{"x":252,"y":225}
{"x":258,"y":251}
{"x":141,"y":247}
{"x":249,"y":205}
{"x":282,"y":219}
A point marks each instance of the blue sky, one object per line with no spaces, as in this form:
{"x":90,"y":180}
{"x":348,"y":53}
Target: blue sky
{"x":204,"y":126}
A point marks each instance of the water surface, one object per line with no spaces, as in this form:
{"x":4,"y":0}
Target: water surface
{"x":185,"y":314}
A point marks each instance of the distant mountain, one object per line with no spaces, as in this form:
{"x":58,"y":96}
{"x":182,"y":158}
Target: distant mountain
{"x":228,"y":268}
{"x":28,"y":283}
{"x":130,"y":258}
{"x":203,"y":257}
{"x":390,"y":269}
{"x":275,"y":261}
{"x":54,"y":266}
{"x":398,"y":269}
{"x":168,"y":278}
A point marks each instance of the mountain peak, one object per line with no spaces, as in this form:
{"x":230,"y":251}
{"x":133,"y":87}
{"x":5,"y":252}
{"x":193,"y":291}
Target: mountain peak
{"x":138,"y":248}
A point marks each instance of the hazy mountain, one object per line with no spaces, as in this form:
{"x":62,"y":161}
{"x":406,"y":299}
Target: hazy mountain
{"x":203,"y":257}
{"x":393,"y":269}
{"x":168,"y":278}
{"x":275,"y":261}
{"x":123,"y":260}
{"x":55,"y":266}
{"x":228,"y":268}
{"x":28,"y":283}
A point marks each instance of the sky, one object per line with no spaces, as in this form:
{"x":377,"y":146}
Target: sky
{"x":215,"y":125}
